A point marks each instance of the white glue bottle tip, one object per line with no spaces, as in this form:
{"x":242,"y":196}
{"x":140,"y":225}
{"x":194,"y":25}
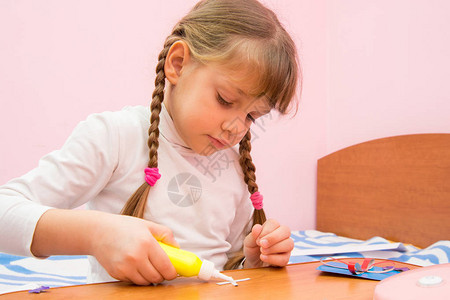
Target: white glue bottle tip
{"x":207,"y":271}
{"x":217,"y":274}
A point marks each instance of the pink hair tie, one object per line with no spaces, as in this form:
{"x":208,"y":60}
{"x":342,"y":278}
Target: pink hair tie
{"x":257,"y":200}
{"x":152,"y":175}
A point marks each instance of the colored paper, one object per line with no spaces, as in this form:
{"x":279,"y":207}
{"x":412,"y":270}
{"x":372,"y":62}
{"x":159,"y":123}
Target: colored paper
{"x":341,"y":268}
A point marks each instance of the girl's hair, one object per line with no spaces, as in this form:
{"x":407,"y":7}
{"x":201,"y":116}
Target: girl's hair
{"x":231,"y":34}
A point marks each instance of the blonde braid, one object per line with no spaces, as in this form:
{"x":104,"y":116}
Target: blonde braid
{"x":259,"y":217}
{"x":135,"y":206}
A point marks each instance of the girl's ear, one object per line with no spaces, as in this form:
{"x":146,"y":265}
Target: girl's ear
{"x":176,"y":59}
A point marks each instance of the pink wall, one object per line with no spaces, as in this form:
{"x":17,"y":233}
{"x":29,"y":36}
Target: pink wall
{"x":371,"y":69}
{"x":389,"y":69}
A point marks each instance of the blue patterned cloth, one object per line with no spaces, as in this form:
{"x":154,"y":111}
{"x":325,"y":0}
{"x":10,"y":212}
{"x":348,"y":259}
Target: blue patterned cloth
{"x":24,"y":273}
{"x":438,"y":253}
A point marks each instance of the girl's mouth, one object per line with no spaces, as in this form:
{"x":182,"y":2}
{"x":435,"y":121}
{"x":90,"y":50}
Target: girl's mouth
{"x":218,"y":144}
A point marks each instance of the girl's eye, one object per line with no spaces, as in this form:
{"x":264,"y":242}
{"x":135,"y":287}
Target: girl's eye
{"x":251,"y":118}
{"x":222,"y":101}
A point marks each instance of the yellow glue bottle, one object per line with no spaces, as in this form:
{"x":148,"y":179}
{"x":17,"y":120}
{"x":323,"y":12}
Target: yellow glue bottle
{"x":188,"y":264}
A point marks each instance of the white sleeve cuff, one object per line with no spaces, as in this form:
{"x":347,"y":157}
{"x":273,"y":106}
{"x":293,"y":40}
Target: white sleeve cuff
{"x":19,"y":219}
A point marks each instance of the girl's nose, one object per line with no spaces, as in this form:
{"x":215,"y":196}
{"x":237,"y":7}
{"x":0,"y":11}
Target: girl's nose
{"x":235,"y":128}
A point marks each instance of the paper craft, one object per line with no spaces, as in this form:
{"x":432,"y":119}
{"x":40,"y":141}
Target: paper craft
{"x":351,"y":248}
{"x":38,"y":290}
{"x":366,"y":270}
{"x":227,"y":282}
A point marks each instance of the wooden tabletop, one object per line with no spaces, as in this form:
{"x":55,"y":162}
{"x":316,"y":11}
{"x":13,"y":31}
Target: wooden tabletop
{"x":296,"y":281}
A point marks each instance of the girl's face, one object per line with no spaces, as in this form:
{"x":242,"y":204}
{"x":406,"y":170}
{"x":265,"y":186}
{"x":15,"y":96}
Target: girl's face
{"x":210,"y":110}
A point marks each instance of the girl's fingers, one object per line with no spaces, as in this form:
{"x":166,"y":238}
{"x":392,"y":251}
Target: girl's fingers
{"x":280,"y":260}
{"x":250,"y":239}
{"x":256,"y":231}
{"x":150,"y":273}
{"x":268,"y":227}
{"x":273,"y":237}
{"x":275,"y":244}
{"x":285,"y":246}
{"x":163,"y":234}
{"x":159,"y":262}
{"x":135,"y":278}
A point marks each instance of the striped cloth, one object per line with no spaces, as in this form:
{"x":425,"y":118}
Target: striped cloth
{"x":19,"y":273}
{"x":438,"y":253}
{"x":24,"y":273}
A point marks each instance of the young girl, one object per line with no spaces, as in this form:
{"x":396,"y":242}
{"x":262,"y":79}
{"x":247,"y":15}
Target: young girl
{"x":226,"y":63}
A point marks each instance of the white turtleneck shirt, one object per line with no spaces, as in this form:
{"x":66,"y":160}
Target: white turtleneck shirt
{"x":202,"y":199}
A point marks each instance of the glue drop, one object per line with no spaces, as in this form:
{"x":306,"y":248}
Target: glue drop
{"x":188,"y":264}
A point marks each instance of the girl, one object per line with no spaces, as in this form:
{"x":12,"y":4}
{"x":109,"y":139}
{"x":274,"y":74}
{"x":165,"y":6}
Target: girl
{"x":226,"y":63}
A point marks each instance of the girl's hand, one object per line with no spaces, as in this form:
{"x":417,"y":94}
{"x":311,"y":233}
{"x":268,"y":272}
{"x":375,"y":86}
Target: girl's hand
{"x":127,"y":248}
{"x":268,"y":244}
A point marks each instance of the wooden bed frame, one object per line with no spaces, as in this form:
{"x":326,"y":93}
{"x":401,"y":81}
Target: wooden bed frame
{"x":396,"y":187}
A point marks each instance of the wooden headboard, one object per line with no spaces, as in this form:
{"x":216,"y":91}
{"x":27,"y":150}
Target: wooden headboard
{"x":396,"y":187}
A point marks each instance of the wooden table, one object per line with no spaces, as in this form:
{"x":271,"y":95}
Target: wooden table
{"x":296,"y":281}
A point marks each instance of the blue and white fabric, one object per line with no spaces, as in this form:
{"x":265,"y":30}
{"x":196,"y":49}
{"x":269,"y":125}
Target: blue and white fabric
{"x":437,"y":253}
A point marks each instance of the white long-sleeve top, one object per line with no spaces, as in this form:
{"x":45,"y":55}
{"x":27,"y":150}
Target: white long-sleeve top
{"x":202,"y":199}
